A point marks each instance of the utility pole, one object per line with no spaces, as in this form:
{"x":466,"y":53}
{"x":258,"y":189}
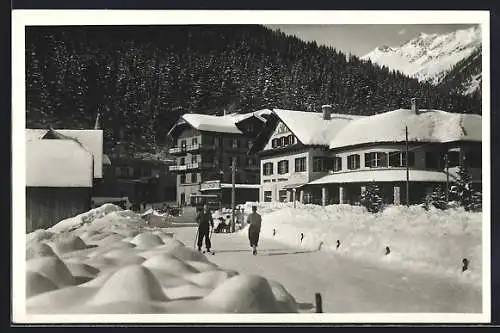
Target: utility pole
{"x":407,"y":170}
{"x":233,"y":194}
{"x":447,"y":167}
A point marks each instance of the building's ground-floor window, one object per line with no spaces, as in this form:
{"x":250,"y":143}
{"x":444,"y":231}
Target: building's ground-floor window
{"x":283,"y":195}
{"x":194,"y":178}
{"x":268,"y":196}
{"x":183,"y":179}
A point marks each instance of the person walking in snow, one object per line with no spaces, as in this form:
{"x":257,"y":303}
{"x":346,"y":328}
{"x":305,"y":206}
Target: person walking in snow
{"x":254,"y":220}
{"x":205,"y":221}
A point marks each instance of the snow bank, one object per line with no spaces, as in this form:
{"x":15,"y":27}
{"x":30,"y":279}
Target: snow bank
{"x":433,"y":241}
{"x":110,"y":261}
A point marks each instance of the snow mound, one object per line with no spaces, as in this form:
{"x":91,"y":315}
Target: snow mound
{"x":52,"y":268}
{"x":67,"y":243}
{"x":285,"y":301}
{"x":84,"y":218}
{"x":244,"y":294}
{"x":147,"y":240}
{"x":114,"y":263}
{"x":36,"y":284}
{"x":170,"y":263}
{"x":39,"y":235}
{"x":36,"y":249}
{"x":210,"y":279}
{"x":133,"y":283}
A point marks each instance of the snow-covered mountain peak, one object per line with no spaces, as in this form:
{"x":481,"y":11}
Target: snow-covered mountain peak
{"x":428,"y":56}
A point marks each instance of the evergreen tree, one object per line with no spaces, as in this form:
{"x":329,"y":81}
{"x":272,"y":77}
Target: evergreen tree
{"x":463,"y":191}
{"x":371,"y":198}
{"x":437,"y":198}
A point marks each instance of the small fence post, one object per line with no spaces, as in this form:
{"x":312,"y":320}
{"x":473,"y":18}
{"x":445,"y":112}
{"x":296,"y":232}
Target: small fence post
{"x":319,"y":303}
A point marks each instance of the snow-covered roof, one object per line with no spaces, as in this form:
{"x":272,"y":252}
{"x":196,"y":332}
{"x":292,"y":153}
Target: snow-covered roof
{"x":57,"y":163}
{"x":381,"y":175}
{"x":310,"y":127}
{"x":426,"y":126}
{"x":221,"y":124}
{"x":209,"y":123}
{"x":91,"y":140}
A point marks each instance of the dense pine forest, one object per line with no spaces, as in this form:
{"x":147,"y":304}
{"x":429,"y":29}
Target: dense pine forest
{"x":458,"y":76}
{"x":141,"y":79}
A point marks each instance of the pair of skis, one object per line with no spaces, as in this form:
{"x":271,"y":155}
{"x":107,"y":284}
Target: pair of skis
{"x":209,"y":237}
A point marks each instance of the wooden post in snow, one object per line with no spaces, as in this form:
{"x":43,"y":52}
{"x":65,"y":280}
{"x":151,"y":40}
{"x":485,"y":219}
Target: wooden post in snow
{"x":318,"y":302}
{"x":233,"y":194}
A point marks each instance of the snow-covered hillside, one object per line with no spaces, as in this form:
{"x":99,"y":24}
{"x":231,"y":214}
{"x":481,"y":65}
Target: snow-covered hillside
{"x":428,"y":57}
{"x":433,"y":242}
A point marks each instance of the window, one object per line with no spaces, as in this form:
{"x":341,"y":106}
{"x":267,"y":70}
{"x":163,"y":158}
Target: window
{"x":318,"y":164}
{"x":286,"y":141}
{"x":453,"y":159}
{"x":291,"y":139}
{"x":398,"y":159}
{"x":194,"y":141}
{"x":283,"y":196}
{"x":183,"y":144}
{"x":187,"y":178}
{"x":250,"y":162}
{"x":274,"y":143}
{"x":250,"y":127}
{"x":300,"y":164}
{"x":268,"y":169}
{"x":337,"y":163}
{"x":194,"y":158}
{"x":282,"y":167}
{"x":376,"y":160}
{"x":194,"y":178}
{"x":235,"y":143}
{"x":122,"y":171}
{"x":249,"y":144}
{"x":268,"y":196}
{"x":182,"y":161}
{"x":474,"y":159}
{"x":183,"y":179}
{"x":431,"y":160}
{"x":353,"y":162}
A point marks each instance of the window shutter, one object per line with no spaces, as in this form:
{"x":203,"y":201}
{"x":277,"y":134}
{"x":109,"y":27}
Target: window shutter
{"x":411,"y":158}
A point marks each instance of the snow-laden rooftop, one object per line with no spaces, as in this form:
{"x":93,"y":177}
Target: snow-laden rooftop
{"x":222,"y":124}
{"x":57,"y":163}
{"x":381,"y":175}
{"x":209,"y":123}
{"x":91,"y":140}
{"x":426,"y":126}
{"x":310,"y":127}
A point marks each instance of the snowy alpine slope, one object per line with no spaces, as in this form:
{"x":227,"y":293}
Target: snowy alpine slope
{"x":428,"y":57}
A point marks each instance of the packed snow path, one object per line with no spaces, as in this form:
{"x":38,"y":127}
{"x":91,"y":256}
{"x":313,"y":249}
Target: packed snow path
{"x":346,"y":285}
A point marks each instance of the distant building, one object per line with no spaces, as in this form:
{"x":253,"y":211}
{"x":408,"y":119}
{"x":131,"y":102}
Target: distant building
{"x":61,"y":166}
{"x":205,"y":146}
{"x":140,"y":179}
{"x":335,"y":162}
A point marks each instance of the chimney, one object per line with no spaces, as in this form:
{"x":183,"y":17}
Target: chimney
{"x":414,"y":105}
{"x":327,"y":112}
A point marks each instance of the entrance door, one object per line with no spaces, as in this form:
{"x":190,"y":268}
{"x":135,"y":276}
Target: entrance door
{"x":183,"y":199}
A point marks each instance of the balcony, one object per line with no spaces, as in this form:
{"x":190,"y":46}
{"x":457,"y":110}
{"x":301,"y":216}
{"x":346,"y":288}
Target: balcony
{"x":177,"y":151}
{"x":177,"y":168}
{"x":198,"y":146}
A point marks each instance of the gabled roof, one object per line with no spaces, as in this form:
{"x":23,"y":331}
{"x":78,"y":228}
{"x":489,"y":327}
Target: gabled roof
{"x":91,"y":140}
{"x":58,"y":163}
{"x":309,"y":127}
{"x":426,"y":126}
{"x":221,"y":124}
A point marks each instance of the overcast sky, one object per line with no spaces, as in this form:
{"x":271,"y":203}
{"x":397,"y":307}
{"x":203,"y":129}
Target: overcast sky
{"x":361,"y":39}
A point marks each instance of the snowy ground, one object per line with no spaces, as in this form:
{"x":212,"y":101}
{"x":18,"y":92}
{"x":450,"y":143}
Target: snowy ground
{"x":110,"y":261}
{"x":346,"y":285}
{"x":429,"y":242}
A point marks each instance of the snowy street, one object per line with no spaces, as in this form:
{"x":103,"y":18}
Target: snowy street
{"x":345,"y":285}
